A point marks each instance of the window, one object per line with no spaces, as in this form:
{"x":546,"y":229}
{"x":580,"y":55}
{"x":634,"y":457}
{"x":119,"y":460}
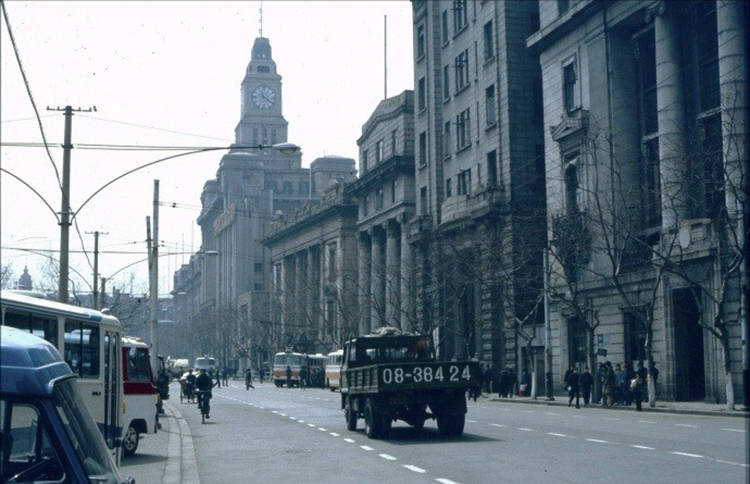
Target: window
{"x":489,"y":41}
{"x":394,"y":187}
{"x":27,"y":445}
{"x":273,"y":136}
{"x":82,"y":348}
{"x":462,"y":70}
{"x":422,"y":148}
{"x":364,"y":160}
{"x":635,"y":338}
{"x":562,"y":6}
{"x":394,"y":135}
{"x":380,"y":155}
{"x":646,"y":67}
{"x":423,"y":200}
{"x":652,"y":174}
{"x":459,"y":15}
{"x":288,"y":187}
{"x":304,"y":188}
{"x":444,"y":29}
{"x":576,"y":342}
{"x":44,"y":327}
{"x":364,"y":206}
{"x":255,"y":136}
{"x":422,"y":94}
{"x":379,"y":199}
{"x":713,"y":167}
{"x":258,"y":287}
{"x":420,"y":42}
{"x":491,"y":105}
{"x":447,"y":140}
{"x":446,"y":83}
{"x":572,"y":186}
{"x":463,"y":185}
{"x":258,"y":267}
{"x":708,"y":55}
{"x":538,"y":96}
{"x":570,"y":86}
{"x":463,"y":130}
{"x":492,"y":168}
{"x":448,"y":191}
{"x":138,"y":365}
{"x":332,"y":267}
{"x":270,"y":185}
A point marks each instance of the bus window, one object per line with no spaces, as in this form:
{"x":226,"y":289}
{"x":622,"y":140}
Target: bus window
{"x":138,"y":365}
{"x":82,"y":348}
{"x":42,"y":326}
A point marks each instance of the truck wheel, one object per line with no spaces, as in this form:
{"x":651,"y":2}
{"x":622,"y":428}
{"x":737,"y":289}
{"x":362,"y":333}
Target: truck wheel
{"x":443,"y":422}
{"x":457,"y":425}
{"x":351,"y":416}
{"x":418,"y":424}
{"x":130,"y":442}
{"x":372,"y":420}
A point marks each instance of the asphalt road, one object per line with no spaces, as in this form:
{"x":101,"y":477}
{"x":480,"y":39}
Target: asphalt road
{"x":286,"y":435}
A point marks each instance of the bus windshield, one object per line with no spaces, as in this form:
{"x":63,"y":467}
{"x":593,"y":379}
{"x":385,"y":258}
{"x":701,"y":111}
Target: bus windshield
{"x":85,"y":437}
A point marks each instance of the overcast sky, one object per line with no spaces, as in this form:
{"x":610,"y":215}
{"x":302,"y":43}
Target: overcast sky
{"x":169,"y":73}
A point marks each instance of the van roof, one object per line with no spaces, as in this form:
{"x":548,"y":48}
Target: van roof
{"x":29,"y":365}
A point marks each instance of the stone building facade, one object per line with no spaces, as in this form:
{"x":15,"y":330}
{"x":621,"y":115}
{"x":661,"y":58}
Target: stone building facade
{"x":386,"y":200}
{"x":478,"y":233}
{"x":313,"y":253}
{"x":646,"y":119}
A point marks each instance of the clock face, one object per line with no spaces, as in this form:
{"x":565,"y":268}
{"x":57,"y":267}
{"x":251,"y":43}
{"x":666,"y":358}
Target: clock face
{"x":264,"y":97}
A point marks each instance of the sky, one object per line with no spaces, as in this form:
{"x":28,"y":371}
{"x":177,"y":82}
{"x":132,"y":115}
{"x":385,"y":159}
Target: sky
{"x":168,"y":73}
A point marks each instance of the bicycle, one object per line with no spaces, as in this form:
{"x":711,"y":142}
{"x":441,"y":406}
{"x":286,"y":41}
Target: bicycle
{"x":203,"y":404}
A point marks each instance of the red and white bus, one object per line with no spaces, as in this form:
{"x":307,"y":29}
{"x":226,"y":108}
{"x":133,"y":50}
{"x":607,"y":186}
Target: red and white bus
{"x":140,"y":394}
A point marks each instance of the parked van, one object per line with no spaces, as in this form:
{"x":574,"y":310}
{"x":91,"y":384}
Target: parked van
{"x":140,"y":394}
{"x":46,"y":431}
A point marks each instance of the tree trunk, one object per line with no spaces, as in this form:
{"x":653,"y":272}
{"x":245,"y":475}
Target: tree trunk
{"x":650,"y":366}
{"x":591,"y":352}
{"x":727,"y":369}
{"x":533,"y":376}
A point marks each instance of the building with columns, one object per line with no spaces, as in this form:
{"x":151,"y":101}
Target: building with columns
{"x":646,"y":144}
{"x":478,"y":233}
{"x":386,"y":200}
{"x":313,"y":294}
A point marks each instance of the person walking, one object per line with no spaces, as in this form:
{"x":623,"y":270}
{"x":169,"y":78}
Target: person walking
{"x":627,"y":377}
{"x":303,"y":378}
{"x":288,"y":373}
{"x":574,"y":388}
{"x":502,"y":382}
{"x":608,"y":387}
{"x":619,"y":383}
{"x":601,"y":372}
{"x":249,"y":379}
{"x":587,"y":381}
{"x":225,"y":377}
{"x":526,"y":383}
{"x":567,"y":374}
{"x":638,"y":385}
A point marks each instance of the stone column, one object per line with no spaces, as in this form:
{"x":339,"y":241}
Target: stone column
{"x":286,"y":276}
{"x":733,"y":77}
{"x":392,"y":276}
{"x":363,"y":286}
{"x":376,"y":279}
{"x":672,"y":126}
{"x":312,"y":304}
{"x":408,"y":314}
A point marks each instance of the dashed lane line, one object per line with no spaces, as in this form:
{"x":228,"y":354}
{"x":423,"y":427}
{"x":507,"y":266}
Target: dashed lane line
{"x":387,"y":457}
{"x":524,"y":429}
{"x":322,"y":429}
{"x":415,"y":469}
{"x":335,"y":434}
{"x":351,"y":441}
{"x":366,"y":447}
{"x":611,"y":418}
{"x":647,"y":421}
{"x":471,"y":421}
{"x":311,"y":425}
{"x":552,"y":413}
{"x":498,"y":425}
{"x":598,"y":441}
{"x":556,"y":435}
{"x":686,"y":425}
{"x":734,"y":430}
{"x":685,"y":454}
{"x":731,"y":463}
{"x":642,"y":447}
{"x":445,"y":481}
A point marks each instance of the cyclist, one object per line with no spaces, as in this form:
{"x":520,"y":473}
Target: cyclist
{"x":204,"y":384}
{"x":190,"y":384}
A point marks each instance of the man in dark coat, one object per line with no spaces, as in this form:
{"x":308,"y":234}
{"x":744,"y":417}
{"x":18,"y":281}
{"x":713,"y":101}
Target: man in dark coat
{"x":204,"y":384}
{"x":587,"y":381}
{"x":574,"y":388}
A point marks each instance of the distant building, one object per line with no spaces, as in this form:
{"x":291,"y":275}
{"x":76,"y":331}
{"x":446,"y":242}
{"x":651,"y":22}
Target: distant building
{"x":24,"y":282}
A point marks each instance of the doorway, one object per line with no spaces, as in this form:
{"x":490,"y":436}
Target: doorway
{"x":690,"y":375}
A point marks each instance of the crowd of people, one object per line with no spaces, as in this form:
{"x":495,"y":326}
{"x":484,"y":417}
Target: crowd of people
{"x":617,"y":385}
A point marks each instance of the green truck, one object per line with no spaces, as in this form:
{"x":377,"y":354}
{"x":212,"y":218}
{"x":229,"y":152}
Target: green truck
{"x":389,"y":376}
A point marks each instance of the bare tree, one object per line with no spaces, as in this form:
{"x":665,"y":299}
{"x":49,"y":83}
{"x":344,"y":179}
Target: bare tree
{"x":6,"y":276}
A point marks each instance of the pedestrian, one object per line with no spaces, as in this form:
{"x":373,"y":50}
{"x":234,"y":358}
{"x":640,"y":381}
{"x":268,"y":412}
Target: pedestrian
{"x":587,"y":381}
{"x":627,"y":377}
{"x":608,"y":386}
{"x":526,"y":382}
{"x":574,"y":388}
{"x":249,"y":379}
{"x":601,"y":372}
{"x":502,"y":382}
{"x":482,"y":377}
{"x":260,"y":374}
{"x":619,"y":383}
{"x":637,"y":385}
{"x":567,"y":374}
{"x":512,"y":381}
{"x":288,"y":373}
{"x":224,"y":376}
{"x":303,"y":377}
{"x":217,"y":374}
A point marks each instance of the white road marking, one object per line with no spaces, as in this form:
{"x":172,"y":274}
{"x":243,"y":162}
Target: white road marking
{"x":311,"y":425}
{"x":578,"y":416}
{"x":611,"y":418}
{"x":322,"y":429}
{"x":274,"y":411}
{"x":646,"y":421}
{"x":366,"y":447}
{"x":415,"y":468}
{"x":598,"y":441}
{"x":734,"y":430}
{"x":387,"y":457}
{"x":687,"y":455}
{"x":471,"y":421}
{"x":351,"y":441}
{"x":732,"y":463}
{"x":556,"y":435}
{"x":552,"y":413}
{"x":686,"y":425}
{"x":445,"y":481}
{"x":528,"y":411}
{"x":498,"y":425}
{"x":525,"y":429}
{"x":642,"y":447}
{"x":301,"y":421}
{"x":335,"y":434}
{"x":283,"y":414}
{"x":293,"y":418}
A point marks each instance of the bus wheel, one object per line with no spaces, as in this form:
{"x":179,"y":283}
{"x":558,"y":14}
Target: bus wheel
{"x":130,"y":442}
{"x":351,"y":416}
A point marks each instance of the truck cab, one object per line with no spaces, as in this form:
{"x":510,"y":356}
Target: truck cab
{"x":46,"y":431}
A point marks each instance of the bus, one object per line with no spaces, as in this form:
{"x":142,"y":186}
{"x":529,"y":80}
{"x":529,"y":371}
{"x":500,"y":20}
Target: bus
{"x":295,"y":361}
{"x":140,"y":394}
{"x":333,"y":369}
{"x":316,"y":370}
{"x":207,"y":363}
{"x":90,"y":343}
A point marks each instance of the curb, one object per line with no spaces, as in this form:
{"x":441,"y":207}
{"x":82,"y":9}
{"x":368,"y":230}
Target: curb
{"x":181,"y":464}
{"x":711,"y":413}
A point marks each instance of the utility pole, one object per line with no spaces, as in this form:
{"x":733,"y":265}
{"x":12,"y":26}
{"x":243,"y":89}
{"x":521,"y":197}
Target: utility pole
{"x":96,"y":267}
{"x":62,"y":292}
{"x":547,"y":330}
{"x":153,"y":265}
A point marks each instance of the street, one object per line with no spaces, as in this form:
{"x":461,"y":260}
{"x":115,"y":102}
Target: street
{"x":288,"y":435}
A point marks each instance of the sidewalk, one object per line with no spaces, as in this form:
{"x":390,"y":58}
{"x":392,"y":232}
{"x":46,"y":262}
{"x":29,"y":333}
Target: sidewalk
{"x":167,"y":457}
{"x":693,"y":408}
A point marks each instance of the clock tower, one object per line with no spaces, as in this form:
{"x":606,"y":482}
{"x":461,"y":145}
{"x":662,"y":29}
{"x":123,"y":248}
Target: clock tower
{"x":261,"y":121}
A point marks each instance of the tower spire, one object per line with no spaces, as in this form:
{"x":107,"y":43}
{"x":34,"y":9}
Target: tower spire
{"x":261,"y":18}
